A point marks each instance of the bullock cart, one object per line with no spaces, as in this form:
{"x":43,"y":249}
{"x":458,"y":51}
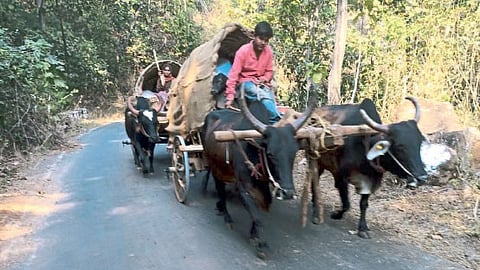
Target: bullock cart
{"x":144,"y":123}
{"x":191,"y":100}
{"x":146,"y":83}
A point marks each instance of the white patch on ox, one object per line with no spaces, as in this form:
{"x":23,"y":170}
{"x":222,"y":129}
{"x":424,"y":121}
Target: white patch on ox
{"x":362,"y":183}
{"x":433,"y":155}
{"x":148,"y":114}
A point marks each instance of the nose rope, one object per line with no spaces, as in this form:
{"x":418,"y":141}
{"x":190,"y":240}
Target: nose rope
{"x":275,"y":184}
{"x":399,"y":164}
{"x":365,"y":142}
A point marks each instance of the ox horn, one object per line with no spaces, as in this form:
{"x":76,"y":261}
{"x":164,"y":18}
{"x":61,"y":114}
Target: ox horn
{"x":374,"y":125}
{"x":130,"y":106}
{"x":418,"y":112}
{"x":257,"y":124}
{"x":312,"y":104}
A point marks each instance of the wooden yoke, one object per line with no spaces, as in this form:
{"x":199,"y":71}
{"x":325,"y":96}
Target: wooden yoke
{"x":333,"y":138}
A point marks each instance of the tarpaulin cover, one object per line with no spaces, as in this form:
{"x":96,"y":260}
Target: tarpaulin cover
{"x":190,"y":98}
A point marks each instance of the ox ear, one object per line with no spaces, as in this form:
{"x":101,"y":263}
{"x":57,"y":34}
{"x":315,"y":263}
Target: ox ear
{"x":378,"y":149}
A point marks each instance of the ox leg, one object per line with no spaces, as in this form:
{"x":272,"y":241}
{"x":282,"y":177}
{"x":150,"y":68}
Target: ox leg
{"x":144,"y":159}
{"x":251,"y":207}
{"x":362,"y":225}
{"x":143,"y":156}
{"x":221,"y":204}
{"x":342,"y":187}
{"x":150,"y":159}
{"x":140,"y":155}
{"x":135,"y":155}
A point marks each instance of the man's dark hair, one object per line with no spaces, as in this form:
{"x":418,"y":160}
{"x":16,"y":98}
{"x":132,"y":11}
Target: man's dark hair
{"x":167,"y":65}
{"x":263,"y":29}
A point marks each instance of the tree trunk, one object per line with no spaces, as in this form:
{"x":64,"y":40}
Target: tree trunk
{"x":335,"y":76}
{"x":41,"y":14}
{"x":66,"y":59}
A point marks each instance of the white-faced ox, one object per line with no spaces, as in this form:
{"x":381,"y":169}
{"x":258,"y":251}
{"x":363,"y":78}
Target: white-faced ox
{"x":362,"y":160}
{"x":142,"y":130}
{"x":248,"y":163}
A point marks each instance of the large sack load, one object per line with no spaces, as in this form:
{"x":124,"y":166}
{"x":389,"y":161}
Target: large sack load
{"x":190,"y":98}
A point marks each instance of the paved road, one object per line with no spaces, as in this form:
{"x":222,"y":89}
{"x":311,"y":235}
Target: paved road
{"x":122,"y":220}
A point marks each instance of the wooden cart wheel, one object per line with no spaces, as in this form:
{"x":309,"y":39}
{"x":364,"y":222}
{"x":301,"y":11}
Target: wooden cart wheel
{"x":180,"y":170}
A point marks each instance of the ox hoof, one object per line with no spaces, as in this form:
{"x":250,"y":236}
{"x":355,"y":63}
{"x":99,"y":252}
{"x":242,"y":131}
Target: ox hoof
{"x":315,"y":220}
{"x":220,"y":209}
{"x":412,"y":185}
{"x":364,"y":234}
{"x":260,"y":248}
{"x":337,"y":215}
{"x":229,"y":225}
{"x":261,"y":254}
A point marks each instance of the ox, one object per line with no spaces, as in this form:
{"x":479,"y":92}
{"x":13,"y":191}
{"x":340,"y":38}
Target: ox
{"x":248,"y":163}
{"x":361,"y":160}
{"x":141,"y":127}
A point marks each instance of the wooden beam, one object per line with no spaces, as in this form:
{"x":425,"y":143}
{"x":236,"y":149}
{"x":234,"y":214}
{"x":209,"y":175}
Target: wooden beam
{"x":331,"y":131}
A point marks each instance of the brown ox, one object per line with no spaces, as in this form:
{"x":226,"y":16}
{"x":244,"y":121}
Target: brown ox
{"x":248,"y":163}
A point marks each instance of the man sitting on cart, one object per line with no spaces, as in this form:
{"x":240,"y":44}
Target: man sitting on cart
{"x":253,"y":66}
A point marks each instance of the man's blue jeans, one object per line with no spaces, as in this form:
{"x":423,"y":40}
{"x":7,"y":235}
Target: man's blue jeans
{"x":263,"y":94}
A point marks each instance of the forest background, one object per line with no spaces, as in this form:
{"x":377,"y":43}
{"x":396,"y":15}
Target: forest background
{"x":60,"y":55}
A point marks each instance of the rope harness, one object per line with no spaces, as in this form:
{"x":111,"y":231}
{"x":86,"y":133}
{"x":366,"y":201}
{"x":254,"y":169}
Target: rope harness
{"x":376,"y":165}
{"x":261,"y":166}
{"x":400,"y":164}
{"x":317,"y":145}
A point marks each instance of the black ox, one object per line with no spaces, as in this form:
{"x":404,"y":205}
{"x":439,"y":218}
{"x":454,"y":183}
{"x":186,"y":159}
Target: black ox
{"x":362,"y":160}
{"x":142,"y":130}
{"x":248,"y":163}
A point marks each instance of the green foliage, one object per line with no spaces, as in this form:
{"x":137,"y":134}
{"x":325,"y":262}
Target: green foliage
{"x":26,"y":71}
{"x":83,"y":51}
{"x":424,"y":49}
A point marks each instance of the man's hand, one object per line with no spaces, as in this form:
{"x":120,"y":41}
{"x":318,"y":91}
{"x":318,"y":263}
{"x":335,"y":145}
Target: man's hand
{"x":260,"y":81}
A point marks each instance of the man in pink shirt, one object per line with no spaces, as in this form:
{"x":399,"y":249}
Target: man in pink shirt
{"x":253,"y":66}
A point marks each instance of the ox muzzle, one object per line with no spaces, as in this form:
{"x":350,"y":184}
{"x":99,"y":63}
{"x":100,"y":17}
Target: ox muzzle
{"x":414,"y":182}
{"x":285,"y":194}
